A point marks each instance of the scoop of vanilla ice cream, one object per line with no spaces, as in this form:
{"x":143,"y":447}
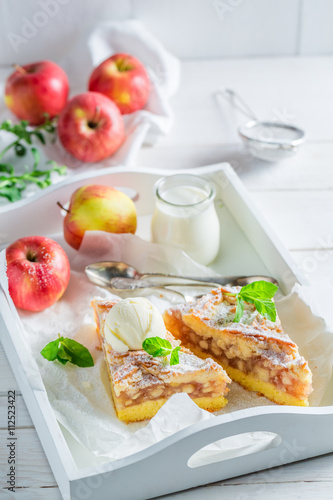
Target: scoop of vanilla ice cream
{"x":130,"y":322}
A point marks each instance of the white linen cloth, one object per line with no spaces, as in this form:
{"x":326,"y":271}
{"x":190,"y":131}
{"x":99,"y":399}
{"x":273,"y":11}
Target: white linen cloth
{"x":143,"y":126}
{"x":81,"y":397}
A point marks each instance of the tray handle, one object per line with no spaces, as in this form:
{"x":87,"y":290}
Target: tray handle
{"x":164,"y":467}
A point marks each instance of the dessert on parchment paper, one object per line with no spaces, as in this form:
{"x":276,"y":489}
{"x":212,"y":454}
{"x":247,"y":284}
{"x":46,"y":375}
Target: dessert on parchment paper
{"x":254,"y":351}
{"x":140,"y":382}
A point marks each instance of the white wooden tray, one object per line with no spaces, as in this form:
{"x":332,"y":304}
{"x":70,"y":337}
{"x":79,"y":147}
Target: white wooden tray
{"x":250,"y":248}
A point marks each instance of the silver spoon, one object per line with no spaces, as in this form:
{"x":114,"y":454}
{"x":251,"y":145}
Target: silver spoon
{"x":103,"y":274}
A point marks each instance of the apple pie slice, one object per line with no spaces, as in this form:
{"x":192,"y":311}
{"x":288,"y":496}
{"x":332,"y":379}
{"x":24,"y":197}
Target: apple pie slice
{"x":141,"y":384}
{"x":255,"y":352}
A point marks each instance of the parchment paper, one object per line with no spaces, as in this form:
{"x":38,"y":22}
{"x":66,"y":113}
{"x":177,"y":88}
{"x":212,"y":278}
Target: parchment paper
{"x":81,"y":397}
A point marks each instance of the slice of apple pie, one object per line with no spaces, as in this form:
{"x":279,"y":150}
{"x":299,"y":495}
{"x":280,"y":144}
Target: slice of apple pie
{"x":255,"y":352}
{"x":141,"y":384}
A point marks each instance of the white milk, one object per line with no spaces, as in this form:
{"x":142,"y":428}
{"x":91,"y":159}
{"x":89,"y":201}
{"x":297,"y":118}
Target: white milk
{"x":186,"y":218}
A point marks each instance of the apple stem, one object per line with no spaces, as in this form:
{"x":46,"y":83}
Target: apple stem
{"x":62,"y":207}
{"x":20,"y":69}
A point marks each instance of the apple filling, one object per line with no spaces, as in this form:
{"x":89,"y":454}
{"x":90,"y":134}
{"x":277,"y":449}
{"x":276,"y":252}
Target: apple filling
{"x":267,"y":365}
{"x":158,"y":391}
{"x":138,"y":378}
{"x":141,"y":383}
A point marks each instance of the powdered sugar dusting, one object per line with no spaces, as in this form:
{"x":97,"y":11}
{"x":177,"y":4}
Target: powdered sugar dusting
{"x":217,"y":310}
{"x":138,"y":369}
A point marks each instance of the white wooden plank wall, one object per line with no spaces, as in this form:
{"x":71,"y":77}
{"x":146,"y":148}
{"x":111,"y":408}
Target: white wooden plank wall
{"x":39,"y":29}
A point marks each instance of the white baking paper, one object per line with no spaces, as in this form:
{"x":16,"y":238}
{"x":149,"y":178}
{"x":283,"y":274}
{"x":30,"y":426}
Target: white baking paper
{"x":81,"y":397}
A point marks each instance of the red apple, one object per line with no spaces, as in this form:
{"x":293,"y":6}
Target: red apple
{"x":123,"y":79}
{"x":91,"y":127}
{"x":38,"y":272}
{"x":97,"y":207}
{"x":36,"y":89}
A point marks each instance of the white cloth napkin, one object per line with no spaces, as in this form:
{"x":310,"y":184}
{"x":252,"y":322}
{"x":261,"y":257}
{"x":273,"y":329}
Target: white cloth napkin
{"x":81,"y":397}
{"x":144,"y":126}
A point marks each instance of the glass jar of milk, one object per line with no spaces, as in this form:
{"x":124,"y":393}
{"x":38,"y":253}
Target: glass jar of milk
{"x":185,"y":216}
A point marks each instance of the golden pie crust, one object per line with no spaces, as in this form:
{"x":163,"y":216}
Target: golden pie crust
{"x":255,"y":352}
{"x":141,"y":384}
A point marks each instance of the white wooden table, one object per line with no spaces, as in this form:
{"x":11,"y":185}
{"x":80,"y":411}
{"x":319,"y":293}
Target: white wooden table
{"x":296,"y":197}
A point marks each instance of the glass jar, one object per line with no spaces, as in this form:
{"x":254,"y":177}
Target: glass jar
{"x":185,"y":216}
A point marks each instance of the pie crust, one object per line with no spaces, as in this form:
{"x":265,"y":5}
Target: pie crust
{"x":255,"y":352}
{"x":141,"y":384}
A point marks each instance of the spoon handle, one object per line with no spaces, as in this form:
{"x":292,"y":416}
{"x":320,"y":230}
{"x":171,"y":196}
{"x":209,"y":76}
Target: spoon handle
{"x":211,"y":280}
{"x":127,"y":284}
{"x":173,"y":279}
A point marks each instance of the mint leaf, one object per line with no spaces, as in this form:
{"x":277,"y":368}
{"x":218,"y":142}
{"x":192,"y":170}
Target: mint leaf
{"x":61,"y":360}
{"x":11,"y":185}
{"x":40,"y":136}
{"x":11,"y":193}
{"x":259,"y":293}
{"x":262,"y":289}
{"x":20,"y":150}
{"x":68,"y":350}
{"x":266,"y":308}
{"x":36,"y":156}
{"x":174,"y":358}
{"x":239,"y":309}
{"x":156,"y":346}
{"x":62,"y":353}
{"x":50,"y":351}
{"x":6,"y":167}
{"x":80,"y":355}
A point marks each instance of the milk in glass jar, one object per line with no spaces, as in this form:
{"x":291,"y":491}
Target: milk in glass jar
{"x":185,"y":216}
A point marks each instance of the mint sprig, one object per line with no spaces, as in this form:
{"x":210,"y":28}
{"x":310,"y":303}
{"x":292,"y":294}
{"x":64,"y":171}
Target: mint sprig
{"x":11,"y":185}
{"x":67,"y":350}
{"x":25,"y":134}
{"x":259,"y":293}
{"x":156,"y":346}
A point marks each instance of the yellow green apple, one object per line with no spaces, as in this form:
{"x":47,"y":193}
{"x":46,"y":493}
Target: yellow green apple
{"x":97,"y":207}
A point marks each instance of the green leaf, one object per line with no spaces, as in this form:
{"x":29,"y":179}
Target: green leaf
{"x":50,"y":351}
{"x":174,"y":358}
{"x":68,"y":350}
{"x":79,"y":353}
{"x":60,"y":169}
{"x":49,"y":127}
{"x":156,"y":345}
{"x":6,"y":125}
{"x":264,"y":289}
{"x":11,"y":193}
{"x":266,"y":308}
{"x":40,"y":136}
{"x":35,"y":154}
{"x":6,"y":167}
{"x":12,"y":186}
{"x":259,"y":293}
{"x":20,"y":150}
{"x":5,"y":181}
{"x":63,"y":361}
{"x":23,"y":124}
{"x":63,"y":353}
{"x":239,"y":309}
